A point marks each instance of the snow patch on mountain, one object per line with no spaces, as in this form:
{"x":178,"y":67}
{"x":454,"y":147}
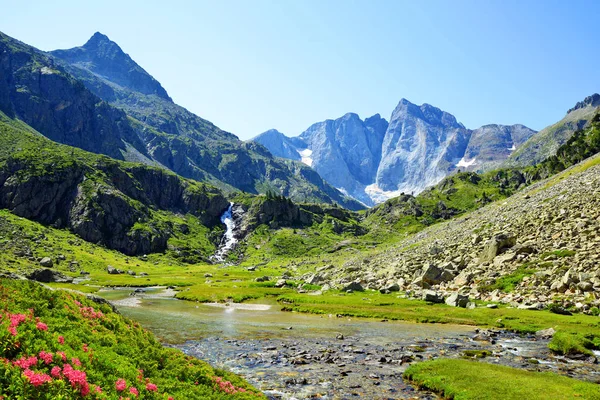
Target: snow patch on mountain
{"x":306,"y":156}
{"x":463,"y":163}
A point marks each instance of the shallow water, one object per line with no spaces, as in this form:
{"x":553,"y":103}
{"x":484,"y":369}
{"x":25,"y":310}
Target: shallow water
{"x":294,"y":356}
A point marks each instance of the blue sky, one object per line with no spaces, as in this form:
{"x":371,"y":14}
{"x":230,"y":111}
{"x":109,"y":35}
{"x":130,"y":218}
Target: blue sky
{"x":249,"y":66}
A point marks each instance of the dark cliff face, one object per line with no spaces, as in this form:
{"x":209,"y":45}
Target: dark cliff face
{"x":102,"y":200}
{"x":35,"y":90}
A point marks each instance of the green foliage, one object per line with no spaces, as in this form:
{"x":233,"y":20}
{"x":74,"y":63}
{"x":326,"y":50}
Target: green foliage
{"x":101,"y":344}
{"x":466,"y":380}
{"x":507,"y":283}
{"x":558,"y":253}
{"x":571,"y":344}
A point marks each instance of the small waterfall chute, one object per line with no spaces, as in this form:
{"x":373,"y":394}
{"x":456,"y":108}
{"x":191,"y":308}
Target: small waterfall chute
{"x":228,"y":241}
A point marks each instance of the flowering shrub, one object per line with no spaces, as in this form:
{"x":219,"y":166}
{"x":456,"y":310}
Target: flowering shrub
{"x":56,"y":344}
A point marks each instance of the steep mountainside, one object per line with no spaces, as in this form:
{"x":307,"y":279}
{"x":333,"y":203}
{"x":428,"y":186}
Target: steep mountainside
{"x":35,"y":90}
{"x":129,"y":207}
{"x":179,"y":140}
{"x":491,"y":145}
{"x":372,"y":160}
{"x":548,"y":140}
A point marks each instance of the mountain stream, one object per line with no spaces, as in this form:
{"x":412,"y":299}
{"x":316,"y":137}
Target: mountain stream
{"x":298,"y":356}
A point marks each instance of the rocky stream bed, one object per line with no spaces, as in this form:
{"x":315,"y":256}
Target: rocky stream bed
{"x":297,"y":356}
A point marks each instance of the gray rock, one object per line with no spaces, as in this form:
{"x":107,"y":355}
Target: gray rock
{"x":457,"y":300}
{"x":432,"y":275}
{"x":394,"y":287}
{"x":46,"y":262}
{"x":262,"y":279}
{"x":49,"y":275}
{"x":112,"y":270}
{"x":280,"y":283}
{"x":496,"y":244}
{"x":354,"y":287}
{"x":545,"y":333}
{"x":432,"y":296}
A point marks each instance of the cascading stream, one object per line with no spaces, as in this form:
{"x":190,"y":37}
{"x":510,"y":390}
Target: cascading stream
{"x":228,"y":241}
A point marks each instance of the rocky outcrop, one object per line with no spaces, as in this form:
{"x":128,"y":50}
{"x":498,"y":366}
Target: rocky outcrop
{"x":279,"y":213}
{"x":102,"y":200}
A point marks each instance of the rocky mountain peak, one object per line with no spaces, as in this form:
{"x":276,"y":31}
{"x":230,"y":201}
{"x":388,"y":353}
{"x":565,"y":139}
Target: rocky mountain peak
{"x":426,"y":112}
{"x":105,"y":59}
{"x":593,"y":101}
{"x":97,"y":38}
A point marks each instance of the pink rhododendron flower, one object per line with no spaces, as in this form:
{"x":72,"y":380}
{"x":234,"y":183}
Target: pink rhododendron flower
{"x":55,"y":371}
{"x":78,"y":379}
{"x":26,"y":363}
{"x":76,"y":361}
{"x":41,"y":326}
{"x":36,"y":379}
{"x":151,"y":387}
{"x":120,"y":384}
{"x":134,"y":391}
{"x":61,"y":340}
{"x":47,"y":357}
{"x":62,"y":355}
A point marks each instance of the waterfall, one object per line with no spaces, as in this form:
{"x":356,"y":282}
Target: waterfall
{"x":228,"y":241}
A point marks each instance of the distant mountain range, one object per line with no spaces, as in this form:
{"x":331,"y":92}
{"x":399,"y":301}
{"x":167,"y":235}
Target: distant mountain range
{"x":97,"y":98}
{"x":373,"y":160}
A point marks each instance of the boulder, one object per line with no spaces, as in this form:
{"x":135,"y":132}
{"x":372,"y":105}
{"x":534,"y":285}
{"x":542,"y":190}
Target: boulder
{"x":354,"y":287}
{"x":46,"y":262}
{"x":432,"y":275}
{"x":47,"y":275}
{"x":432,"y":296}
{"x":262,"y":279}
{"x":113,"y":271}
{"x":495,"y":245}
{"x":545,"y":333}
{"x":393,"y":287}
{"x":280,"y":283}
{"x":457,"y":300}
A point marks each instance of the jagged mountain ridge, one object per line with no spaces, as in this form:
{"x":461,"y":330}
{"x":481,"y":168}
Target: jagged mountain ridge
{"x":94,"y":104}
{"x":373,"y":160}
{"x":549,"y":139}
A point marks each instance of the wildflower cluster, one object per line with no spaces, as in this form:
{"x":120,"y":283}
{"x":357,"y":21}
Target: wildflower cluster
{"x":226,"y":386}
{"x":44,"y":356}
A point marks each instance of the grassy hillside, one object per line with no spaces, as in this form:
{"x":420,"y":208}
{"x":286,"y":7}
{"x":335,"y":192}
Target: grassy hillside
{"x":133,"y":208}
{"x":56,"y":344}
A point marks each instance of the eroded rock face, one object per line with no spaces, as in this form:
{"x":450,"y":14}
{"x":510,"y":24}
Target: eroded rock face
{"x":106,"y":211}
